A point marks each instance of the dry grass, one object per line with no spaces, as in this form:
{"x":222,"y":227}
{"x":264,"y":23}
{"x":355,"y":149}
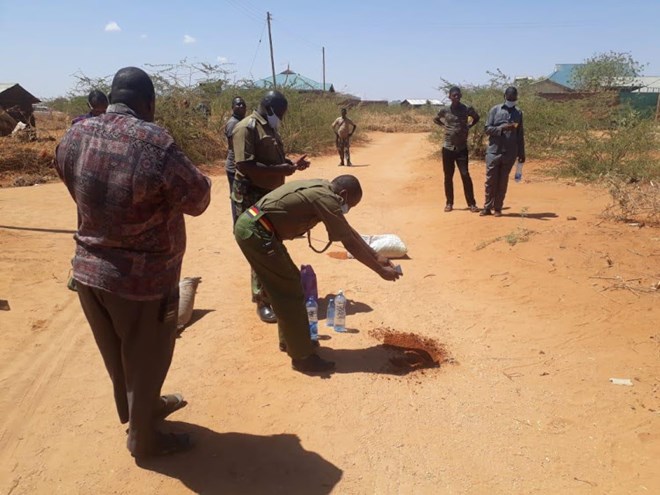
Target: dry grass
{"x":512,"y":238}
{"x":394,"y":120}
{"x":26,"y":163}
{"x":637,"y":202}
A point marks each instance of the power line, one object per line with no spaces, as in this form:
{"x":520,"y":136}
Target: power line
{"x":245,"y":10}
{"x":261,"y":36}
{"x":254,"y":9}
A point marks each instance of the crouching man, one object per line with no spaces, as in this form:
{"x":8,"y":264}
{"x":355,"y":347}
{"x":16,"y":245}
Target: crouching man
{"x":288,"y":212}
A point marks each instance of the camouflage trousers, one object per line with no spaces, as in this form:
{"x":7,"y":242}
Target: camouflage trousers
{"x":344,"y":149}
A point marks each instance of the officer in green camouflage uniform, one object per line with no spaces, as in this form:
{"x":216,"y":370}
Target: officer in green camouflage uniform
{"x":286,"y":213}
{"x":261,"y":166}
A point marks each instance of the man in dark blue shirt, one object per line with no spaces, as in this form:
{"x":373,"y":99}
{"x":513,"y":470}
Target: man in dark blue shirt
{"x":506,"y":143}
{"x":97,"y":102}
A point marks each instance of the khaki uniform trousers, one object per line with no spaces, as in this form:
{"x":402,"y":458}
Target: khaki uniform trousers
{"x":270,"y":260}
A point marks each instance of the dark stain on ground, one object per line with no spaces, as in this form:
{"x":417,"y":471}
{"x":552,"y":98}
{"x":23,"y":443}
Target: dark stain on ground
{"x":411,"y":352}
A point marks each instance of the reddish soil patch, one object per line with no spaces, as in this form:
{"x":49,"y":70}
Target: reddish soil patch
{"x":411,"y":352}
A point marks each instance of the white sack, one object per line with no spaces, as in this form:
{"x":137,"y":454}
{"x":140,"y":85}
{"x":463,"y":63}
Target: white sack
{"x":187,"y":291}
{"x":388,"y":245}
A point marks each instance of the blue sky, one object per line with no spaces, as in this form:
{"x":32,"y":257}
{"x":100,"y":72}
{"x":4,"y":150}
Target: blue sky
{"x":374,"y":49}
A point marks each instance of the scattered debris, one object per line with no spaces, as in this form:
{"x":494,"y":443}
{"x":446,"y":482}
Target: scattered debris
{"x":571,"y":218}
{"x":622,"y":381}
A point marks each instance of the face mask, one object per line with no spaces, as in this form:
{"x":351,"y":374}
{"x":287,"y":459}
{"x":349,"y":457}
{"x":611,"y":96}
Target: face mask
{"x":273,"y":121}
{"x":511,"y":104}
{"x":344,"y":204}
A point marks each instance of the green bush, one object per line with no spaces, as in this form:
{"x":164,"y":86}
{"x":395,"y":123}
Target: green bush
{"x":625,"y":150}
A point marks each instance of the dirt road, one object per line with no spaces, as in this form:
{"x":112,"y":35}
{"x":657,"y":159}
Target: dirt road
{"x":535,"y":331}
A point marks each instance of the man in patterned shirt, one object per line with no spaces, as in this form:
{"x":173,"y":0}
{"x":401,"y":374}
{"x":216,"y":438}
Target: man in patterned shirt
{"x":132,"y":185}
{"x":454,"y":120}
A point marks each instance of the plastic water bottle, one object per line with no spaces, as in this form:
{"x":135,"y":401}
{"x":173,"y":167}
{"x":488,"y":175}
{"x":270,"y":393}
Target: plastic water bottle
{"x":330,"y":314}
{"x":518,"y":176}
{"x":313,"y":317}
{"x":340,"y":312}
{"x":308,"y":281}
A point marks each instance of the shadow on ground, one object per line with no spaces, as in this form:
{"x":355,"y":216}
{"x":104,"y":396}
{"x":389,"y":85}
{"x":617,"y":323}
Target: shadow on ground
{"x":352,"y":307}
{"x":533,"y":216}
{"x":242,"y":463}
{"x":379,"y":359}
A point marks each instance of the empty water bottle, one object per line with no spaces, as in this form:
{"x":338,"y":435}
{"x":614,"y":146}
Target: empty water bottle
{"x":518,"y":176}
{"x":340,"y":312}
{"x":313,"y":318}
{"x":330,"y":314}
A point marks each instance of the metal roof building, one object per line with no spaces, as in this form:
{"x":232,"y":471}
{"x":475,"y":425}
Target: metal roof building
{"x":412,"y":102}
{"x":293,"y":80}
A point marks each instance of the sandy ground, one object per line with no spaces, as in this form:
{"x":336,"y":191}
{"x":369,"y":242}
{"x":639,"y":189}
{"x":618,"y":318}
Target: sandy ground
{"x":536,"y":330}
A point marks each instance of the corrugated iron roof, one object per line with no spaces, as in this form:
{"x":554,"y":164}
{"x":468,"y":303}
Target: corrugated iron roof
{"x":14,"y":90}
{"x":290,"y":79}
{"x":420,"y":102}
{"x":563,"y":74}
{"x":6,"y":86}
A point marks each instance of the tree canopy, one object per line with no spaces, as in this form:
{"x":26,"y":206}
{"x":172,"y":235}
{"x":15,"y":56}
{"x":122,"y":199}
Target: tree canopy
{"x":606,"y":71}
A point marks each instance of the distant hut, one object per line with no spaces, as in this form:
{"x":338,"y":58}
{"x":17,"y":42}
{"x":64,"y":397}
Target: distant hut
{"x":17,"y":102}
{"x":417,"y":103}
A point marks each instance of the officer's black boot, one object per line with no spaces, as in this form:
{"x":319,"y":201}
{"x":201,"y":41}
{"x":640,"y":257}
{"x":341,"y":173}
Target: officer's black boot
{"x":266,"y":313}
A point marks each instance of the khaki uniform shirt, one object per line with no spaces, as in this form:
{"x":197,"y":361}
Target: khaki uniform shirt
{"x":297,"y":206}
{"x":255,"y":140}
{"x":343,"y":126}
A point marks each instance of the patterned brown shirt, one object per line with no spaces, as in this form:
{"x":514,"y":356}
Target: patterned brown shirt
{"x":455,"y":123}
{"x":132,"y":186}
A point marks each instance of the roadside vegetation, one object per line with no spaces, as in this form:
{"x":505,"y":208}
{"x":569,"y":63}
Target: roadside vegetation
{"x":595,"y":138}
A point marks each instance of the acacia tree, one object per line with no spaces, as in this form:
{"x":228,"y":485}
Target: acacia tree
{"x":605,"y":71}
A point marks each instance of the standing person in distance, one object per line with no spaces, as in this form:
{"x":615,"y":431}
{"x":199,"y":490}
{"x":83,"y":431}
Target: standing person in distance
{"x":132,"y":186}
{"x":97,"y":102}
{"x":238,"y":109}
{"x":454,"y":120}
{"x":261,"y":166}
{"x":344,"y":129}
{"x":506,"y":143}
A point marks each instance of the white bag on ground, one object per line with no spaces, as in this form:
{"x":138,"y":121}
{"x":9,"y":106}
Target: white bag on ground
{"x":187,"y":291}
{"x":388,"y":245}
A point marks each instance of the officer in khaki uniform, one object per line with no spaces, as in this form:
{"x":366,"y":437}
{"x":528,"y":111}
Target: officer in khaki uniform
{"x":286,"y":213}
{"x":261,"y":166}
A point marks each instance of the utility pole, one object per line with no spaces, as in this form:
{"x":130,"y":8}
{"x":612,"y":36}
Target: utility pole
{"x":272,"y":58}
{"x":323,"y":51}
